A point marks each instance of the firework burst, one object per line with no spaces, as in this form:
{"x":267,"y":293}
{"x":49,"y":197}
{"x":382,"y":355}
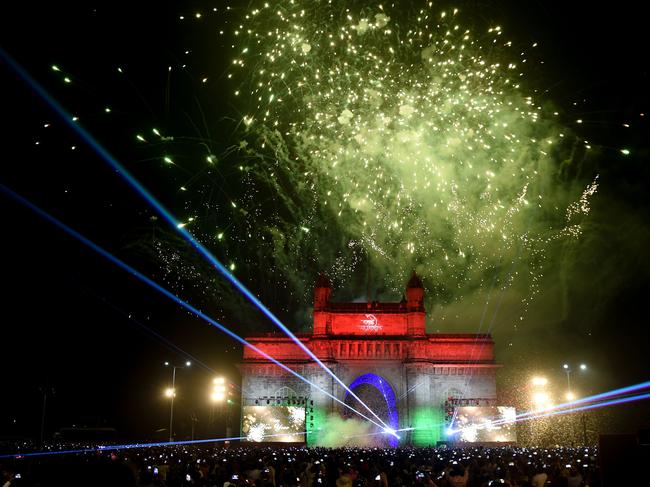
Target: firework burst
{"x":402,"y":138}
{"x":374,"y":139}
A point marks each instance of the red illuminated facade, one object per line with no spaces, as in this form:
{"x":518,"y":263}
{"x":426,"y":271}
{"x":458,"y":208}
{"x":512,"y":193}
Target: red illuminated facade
{"x":387,"y":339}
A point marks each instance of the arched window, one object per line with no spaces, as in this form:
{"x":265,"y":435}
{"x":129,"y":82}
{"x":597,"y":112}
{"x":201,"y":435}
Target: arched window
{"x":455,"y":393}
{"x":286,"y":392}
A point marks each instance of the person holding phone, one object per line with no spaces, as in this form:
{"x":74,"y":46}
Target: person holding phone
{"x":540,"y":477}
{"x":424,"y":478}
{"x":458,"y":475}
{"x":8,"y":478}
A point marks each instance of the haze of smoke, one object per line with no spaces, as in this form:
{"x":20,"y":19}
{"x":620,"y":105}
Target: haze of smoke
{"x":396,"y":139}
{"x":336,"y":432}
{"x":387,"y":139}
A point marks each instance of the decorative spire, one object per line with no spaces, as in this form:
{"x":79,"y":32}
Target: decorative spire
{"x":323,"y":281}
{"x":414,"y":282}
{"x":322,"y":291}
{"x":415,"y":294}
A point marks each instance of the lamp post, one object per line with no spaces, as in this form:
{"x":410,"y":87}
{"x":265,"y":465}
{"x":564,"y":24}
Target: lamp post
{"x":570,"y":396}
{"x":45,"y":390}
{"x":171,"y":393}
{"x":218,"y":389}
{"x":567,"y":368}
{"x":540,"y":397}
{"x":541,"y":401}
{"x":218,"y":393}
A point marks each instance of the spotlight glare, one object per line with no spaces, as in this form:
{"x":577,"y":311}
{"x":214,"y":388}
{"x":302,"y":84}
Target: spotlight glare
{"x":539,"y":381}
{"x":541,"y":401}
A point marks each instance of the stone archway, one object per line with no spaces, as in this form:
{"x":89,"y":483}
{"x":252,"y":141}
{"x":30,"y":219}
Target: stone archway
{"x":378,"y":395}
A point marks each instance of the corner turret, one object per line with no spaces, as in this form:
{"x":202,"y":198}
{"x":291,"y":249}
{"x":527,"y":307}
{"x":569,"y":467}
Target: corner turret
{"x":416,"y":321}
{"x":322,"y":292}
{"x":415,"y":294}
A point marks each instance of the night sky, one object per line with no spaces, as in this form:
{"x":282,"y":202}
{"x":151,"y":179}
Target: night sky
{"x":76,"y":324}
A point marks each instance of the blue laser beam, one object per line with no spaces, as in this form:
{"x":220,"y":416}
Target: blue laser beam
{"x":104,"y":253}
{"x":376,"y":433}
{"x":156,"y":335}
{"x":136,"y":445}
{"x":604,"y":395}
{"x":383,"y":432}
{"x":571,"y":406}
{"x":389,"y":396}
{"x":611,"y":402}
{"x":149,"y":198}
{"x":538,"y":415}
{"x":597,"y":397}
{"x":410,"y":390}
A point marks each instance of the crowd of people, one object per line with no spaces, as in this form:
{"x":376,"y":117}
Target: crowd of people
{"x":264,"y":466}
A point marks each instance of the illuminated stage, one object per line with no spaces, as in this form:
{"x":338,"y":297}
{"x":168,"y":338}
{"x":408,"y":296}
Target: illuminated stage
{"x":412,"y":380}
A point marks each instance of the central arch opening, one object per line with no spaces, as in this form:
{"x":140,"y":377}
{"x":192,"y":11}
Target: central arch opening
{"x":379,"y":396}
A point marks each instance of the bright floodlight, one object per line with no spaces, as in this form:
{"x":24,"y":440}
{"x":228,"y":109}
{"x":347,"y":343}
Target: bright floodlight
{"x":166,"y":364}
{"x":539,"y":381}
{"x":188,"y":363}
{"x":169,"y":392}
{"x":541,"y":400}
{"x":583,"y":367}
{"x":570,"y":396}
{"x":218,"y":389}
{"x":540,"y":397}
{"x":566,"y":366}
{"x":391,"y":431}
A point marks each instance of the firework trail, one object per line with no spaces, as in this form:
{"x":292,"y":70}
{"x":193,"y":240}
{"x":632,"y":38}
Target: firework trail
{"x":395,"y":138}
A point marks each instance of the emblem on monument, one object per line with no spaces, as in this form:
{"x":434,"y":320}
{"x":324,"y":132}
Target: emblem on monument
{"x":370,"y":323}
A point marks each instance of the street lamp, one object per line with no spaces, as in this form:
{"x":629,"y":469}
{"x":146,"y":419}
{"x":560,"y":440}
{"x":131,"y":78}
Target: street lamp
{"x":171,"y":393}
{"x":539,"y":381}
{"x":567,"y":369}
{"x":217,"y":395}
{"x":570,"y":395}
{"x":218,"y":389}
{"x":540,"y":398}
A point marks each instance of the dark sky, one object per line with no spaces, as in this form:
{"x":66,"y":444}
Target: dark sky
{"x":75,"y":323}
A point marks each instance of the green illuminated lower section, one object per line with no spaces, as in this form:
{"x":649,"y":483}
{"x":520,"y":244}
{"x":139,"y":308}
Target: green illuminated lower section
{"x":315,"y":421}
{"x":428,"y":423}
